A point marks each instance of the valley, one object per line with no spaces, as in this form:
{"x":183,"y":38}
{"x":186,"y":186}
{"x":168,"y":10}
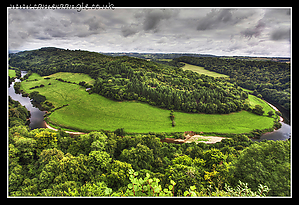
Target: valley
{"x":116,"y":125}
{"x":86,"y":112}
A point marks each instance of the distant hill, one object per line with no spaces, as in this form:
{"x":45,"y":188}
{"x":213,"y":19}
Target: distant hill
{"x":158,"y":55}
{"x":155,"y":56}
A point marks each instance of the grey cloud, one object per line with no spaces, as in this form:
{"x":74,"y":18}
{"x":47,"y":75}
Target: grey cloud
{"x":153,"y":17}
{"x":214,"y":19}
{"x":277,"y":14}
{"x":55,"y":33}
{"x":214,"y":31}
{"x":93,"y":24}
{"x":254,"y":31}
{"x":65,"y":23}
{"x":128,"y":31}
{"x":280,"y":34}
{"x":147,"y":20}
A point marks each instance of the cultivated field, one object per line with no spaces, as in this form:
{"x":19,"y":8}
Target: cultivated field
{"x":201,"y":70}
{"x":86,"y":112}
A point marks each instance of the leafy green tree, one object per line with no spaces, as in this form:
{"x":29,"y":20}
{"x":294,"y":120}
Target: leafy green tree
{"x":147,"y":187}
{"x":15,"y":178}
{"x":118,"y":174}
{"x":98,"y":162}
{"x":48,"y":155}
{"x":84,"y":144}
{"x":69,"y":168}
{"x":270,"y":113}
{"x":140,"y":157}
{"x":36,"y":97}
{"x":120,"y":132}
{"x":90,"y":189}
{"x":268,"y":163}
{"x":258,"y":110}
{"x":213,"y":157}
{"x":186,"y":172}
{"x":44,"y":139}
{"x":26,"y":150}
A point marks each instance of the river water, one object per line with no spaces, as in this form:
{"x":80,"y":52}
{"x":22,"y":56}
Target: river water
{"x":37,"y":116}
{"x":283,"y":133}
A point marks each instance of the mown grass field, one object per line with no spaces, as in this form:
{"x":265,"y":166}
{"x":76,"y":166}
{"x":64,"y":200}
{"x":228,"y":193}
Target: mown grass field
{"x":93,"y":112}
{"x":202,"y":70}
{"x":11,"y":73}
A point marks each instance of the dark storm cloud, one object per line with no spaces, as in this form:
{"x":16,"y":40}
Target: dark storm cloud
{"x":254,"y":31}
{"x":280,"y":34}
{"x":48,"y":24}
{"x":221,"y":18}
{"x":147,"y":20}
{"x":153,"y":17}
{"x":214,"y":19}
{"x":201,"y":30}
{"x":94,"y":24}
{"x":129,"y":30}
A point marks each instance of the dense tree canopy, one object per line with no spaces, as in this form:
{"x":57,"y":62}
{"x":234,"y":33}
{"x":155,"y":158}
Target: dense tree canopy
{"x":271,"y":79}
{"x":263,"y":165}
{"x":17,"y":113}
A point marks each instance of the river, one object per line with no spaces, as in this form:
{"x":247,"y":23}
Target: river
{"x":37,"y":116}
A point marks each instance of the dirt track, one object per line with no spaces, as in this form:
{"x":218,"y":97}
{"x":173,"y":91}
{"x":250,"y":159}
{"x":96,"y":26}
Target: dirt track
{"x":69,"y":132}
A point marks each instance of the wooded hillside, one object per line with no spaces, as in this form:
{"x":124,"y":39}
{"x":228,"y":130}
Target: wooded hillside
{"x":270,"y":79}
{"x":126,"y":78}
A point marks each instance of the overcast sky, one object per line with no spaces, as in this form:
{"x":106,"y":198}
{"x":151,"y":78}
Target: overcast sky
{"x":217,"y":31}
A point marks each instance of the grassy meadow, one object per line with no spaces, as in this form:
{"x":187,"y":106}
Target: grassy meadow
{"x":94,"y":112}
{"x":11,"y":73}
{"x":202,"y":70}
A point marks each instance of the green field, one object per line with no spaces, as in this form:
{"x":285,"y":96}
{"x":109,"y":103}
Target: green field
{"x":11,"y":73}
{"x":93,"y":112}
{"x":202,"y":70}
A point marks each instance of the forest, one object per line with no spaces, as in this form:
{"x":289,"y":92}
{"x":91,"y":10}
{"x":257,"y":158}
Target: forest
{"x":270,"y":79}
{"x":43,"y":162}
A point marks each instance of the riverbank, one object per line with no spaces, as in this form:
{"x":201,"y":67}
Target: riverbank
{"x":275,"y":108}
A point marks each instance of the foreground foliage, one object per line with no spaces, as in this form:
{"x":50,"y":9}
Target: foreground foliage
{"x":43,"y":162}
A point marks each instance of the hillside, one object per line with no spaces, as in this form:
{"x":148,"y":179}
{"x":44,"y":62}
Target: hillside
{"x":270,"y":79}
{"x":125,"y":78}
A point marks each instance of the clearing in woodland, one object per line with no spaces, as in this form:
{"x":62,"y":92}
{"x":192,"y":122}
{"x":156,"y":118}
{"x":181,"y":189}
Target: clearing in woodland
{"x":202,"y":70}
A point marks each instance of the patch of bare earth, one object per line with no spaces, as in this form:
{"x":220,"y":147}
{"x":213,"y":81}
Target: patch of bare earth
{"x":204,"y":139}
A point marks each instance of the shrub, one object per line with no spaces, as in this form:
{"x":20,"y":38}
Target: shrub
{"x":173,"y":123}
